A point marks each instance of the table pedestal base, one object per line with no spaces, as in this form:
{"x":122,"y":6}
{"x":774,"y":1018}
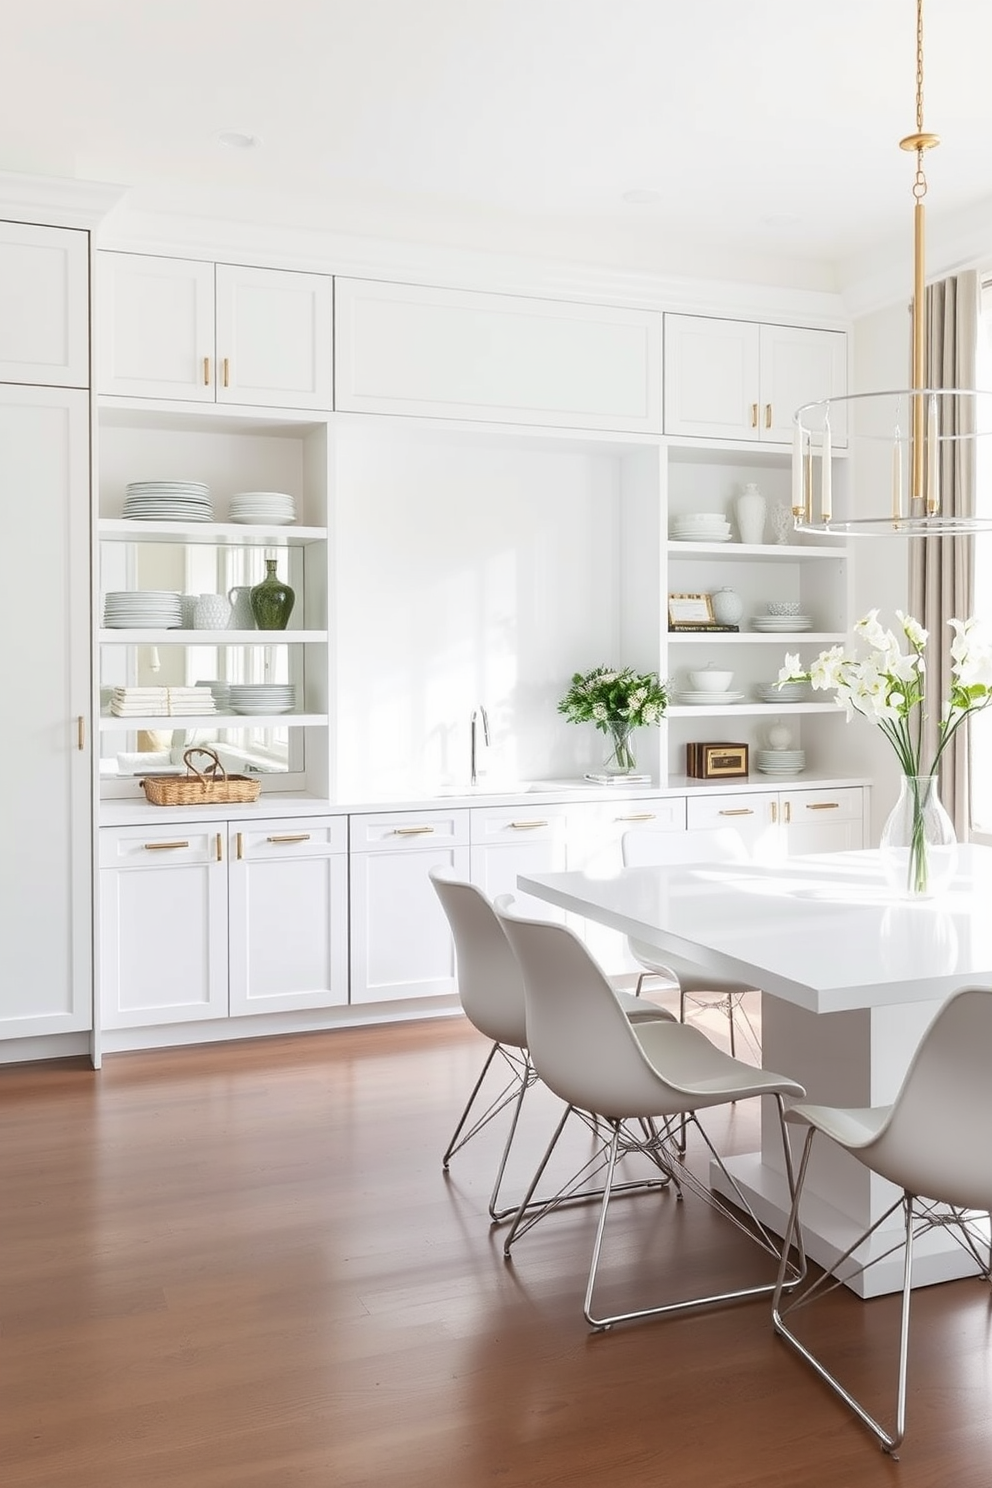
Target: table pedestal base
{"x":828,"y":1232}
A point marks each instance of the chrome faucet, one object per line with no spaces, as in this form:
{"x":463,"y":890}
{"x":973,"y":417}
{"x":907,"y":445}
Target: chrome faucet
{"x":479,"y":715}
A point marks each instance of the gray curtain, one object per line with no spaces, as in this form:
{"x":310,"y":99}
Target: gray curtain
{"x":941,"y":569}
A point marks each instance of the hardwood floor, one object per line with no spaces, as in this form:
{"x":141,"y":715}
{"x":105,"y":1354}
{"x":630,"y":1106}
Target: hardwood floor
{"x":241,"y":1266}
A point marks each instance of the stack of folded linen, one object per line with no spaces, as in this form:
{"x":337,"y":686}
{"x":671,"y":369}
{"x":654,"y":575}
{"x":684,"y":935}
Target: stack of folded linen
{"x":160,"y":702}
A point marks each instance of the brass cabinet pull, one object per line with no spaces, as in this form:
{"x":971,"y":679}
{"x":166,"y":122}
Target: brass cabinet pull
{"x":410,"y":831}
{"x":640,"y":816}
{"x":289,"y":837}
{"x":822,"y":805}
{"x":774,"y":805}
{"x":524,"y":826}
{"x":220,"y":848}
{"x":226,"y":371}
{"x":206,"y":371}
{"x":163,"y":846}
{"x":754,"y":415}
{"x":736,"y":811}
{"x":787,"y":817}
{"x":81,"y":731}
{"x":768,"y":415}
{"x":239,"y":843}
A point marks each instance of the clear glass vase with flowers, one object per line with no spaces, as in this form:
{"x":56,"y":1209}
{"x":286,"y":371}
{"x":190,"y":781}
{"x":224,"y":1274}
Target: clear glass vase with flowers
{"x":617,"y":700}
{"x":888,"y":686}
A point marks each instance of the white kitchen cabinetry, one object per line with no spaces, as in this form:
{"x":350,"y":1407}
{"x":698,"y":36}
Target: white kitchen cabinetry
{"x":519,"y":839}
{"x":44,"y":298}
{"x":401,"y":945}
{"x":45,"y":756}
{"x":163,"y":924}
{"x":448,"y":353}
{"x":288,"y":887}
{"x":196,"y":331}
{"x":210,"y":920}
{"x":743,"y":380}
{"x":777,"y":823}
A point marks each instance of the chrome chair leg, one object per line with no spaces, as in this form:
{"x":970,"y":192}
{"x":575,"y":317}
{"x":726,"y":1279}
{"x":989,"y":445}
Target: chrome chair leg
{"x":521,"y":1074}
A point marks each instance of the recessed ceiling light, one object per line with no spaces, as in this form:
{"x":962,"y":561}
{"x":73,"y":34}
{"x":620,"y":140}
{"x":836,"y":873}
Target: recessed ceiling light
{"x":642,"y":198}
{"x":237,"y":139}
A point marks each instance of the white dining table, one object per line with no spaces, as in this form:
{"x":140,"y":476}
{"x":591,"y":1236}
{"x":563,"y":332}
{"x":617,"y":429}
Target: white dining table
{"x":851,"y":975}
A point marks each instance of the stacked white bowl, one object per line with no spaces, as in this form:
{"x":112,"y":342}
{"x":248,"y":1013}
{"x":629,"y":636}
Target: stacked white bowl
{"x":701,"y":527}
{"x":709,"y":686}
{"x":264,"y":508}
{"x":780,"y":761}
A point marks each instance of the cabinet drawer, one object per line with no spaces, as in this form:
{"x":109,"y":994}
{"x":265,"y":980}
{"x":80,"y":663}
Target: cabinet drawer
{"x":408,"y":830}
{"x":157,"y":847}
{"x":739,"y":811}
{"x":656,"y":816}
{"x":295,"y":837}
{"x":822,"y":805}
{"x":518,"y":824}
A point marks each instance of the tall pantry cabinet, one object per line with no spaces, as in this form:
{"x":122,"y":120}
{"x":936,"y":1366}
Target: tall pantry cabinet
{"x":45,"y":753}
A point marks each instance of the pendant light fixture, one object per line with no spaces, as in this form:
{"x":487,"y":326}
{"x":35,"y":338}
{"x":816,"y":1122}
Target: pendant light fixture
{"x":917,"y":423}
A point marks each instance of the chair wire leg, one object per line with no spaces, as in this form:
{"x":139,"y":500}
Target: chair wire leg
{"x":733,"y":1024}
{"x":521,"y":1073}
{"x":827,"y":1282}
{"x":496,"y":1214}
{"x":600,"y":1227}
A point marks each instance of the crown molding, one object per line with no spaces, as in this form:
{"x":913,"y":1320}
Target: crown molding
{"x":399,"y":261}
{"x":57,"y":201}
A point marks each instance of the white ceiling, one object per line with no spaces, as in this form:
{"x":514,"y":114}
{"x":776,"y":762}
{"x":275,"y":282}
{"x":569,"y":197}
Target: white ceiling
{"x":770,"y":130}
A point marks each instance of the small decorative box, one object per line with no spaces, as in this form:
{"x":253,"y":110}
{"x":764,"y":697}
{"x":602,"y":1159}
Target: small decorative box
{"x":715,"y":761}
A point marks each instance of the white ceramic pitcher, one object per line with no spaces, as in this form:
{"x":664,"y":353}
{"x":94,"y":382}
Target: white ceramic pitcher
{"x":242,"y":617}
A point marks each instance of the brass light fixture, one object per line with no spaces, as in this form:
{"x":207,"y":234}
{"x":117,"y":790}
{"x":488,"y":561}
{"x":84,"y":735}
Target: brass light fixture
{"x":917,"y":422}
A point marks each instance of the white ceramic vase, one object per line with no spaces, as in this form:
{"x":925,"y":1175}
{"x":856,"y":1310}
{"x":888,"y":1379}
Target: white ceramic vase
{"x":728,"y":607}
{"x":750,"y":509}
{"x":213,"y":612}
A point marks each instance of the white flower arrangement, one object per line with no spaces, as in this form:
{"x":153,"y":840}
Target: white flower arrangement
{"x":888,"y":685}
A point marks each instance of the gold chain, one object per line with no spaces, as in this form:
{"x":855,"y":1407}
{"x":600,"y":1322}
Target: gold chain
{"x":920,"y":180}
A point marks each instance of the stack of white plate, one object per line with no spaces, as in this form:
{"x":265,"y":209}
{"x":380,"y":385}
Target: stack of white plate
{"x":780,"y":761}
{"x":701,"y":527}
{"x":707,"y":699}
{"x":781,"y":624}
{"x":142,"y":609}
{"x":788,"y":692}
{"x":168,"y":501}
{"x":264,"y":508}
{"x":262,"y":697}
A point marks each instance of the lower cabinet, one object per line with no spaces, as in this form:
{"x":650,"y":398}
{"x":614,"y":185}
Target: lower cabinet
{"x":213,"y":920}
{"x":775,"y":824}
{"x":519,"y":839}
{"x":401,"y":944}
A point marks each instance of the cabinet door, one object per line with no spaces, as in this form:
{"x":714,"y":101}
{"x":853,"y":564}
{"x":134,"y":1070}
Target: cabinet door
{"x":401,"y":943}
{"x":155,"y":327}
{"x":711,"y":377}
{"x":288,"y":883}
{"x":44,"y":300}
{"x":163,"y":925}
{"x":274,"y":341}
{"x":754,"y":815}
{"x":513,"y":840}
{"x":456,"y":354}
{"x":801,"y":366}
{"x":45,"y":761}
{"x":818,"y":821}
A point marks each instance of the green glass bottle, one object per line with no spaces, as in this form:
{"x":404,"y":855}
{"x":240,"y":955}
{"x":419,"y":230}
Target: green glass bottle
{"x":272,"y":601}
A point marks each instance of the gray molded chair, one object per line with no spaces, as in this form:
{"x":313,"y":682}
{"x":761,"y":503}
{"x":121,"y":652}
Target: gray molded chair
{"x":490,"y":989}
{"x":935,"y":1139}
{"x":639,"y":1079}
{"x":642,"y":847}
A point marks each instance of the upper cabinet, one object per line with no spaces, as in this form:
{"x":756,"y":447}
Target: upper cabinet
{"x":448,"y":353}
{"x":738,"y":379}
{"x":213,"y":333}
{"x":44,"y":298}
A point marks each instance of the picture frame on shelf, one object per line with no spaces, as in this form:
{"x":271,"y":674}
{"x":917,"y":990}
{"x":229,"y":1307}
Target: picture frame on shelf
{"x":690,"y":609}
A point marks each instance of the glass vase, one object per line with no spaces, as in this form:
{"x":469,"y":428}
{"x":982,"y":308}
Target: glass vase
{"x":272,"y":601}
{"x":620,"y":760}
{"x":918,"y":846}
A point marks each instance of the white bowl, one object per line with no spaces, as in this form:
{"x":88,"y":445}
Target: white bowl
{"x":710,"y":680}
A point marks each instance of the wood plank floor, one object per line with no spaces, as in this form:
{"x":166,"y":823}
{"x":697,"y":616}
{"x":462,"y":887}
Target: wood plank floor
{"x":242,"y":1267}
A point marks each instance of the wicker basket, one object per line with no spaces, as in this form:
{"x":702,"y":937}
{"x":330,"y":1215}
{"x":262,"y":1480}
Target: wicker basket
{"x":210,"y":787}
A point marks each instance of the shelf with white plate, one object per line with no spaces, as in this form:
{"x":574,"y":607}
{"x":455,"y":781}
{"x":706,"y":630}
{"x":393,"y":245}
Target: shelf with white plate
{"x":716,"y":709}
{"x":113,"y":723}
{"x":227,"y":534}
{"x":178,"y":637}
{"x":756,"y":638}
